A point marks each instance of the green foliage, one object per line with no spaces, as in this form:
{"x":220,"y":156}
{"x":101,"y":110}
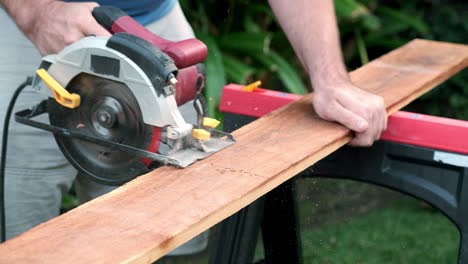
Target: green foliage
{"x":246,"y":44}
{"x":215,"y":72}
{"x":241,"y":48}
{"x":448,"y":23}
{"x":357,"y":12}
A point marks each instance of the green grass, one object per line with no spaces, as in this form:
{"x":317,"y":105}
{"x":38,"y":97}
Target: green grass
{"x":403,"y":233}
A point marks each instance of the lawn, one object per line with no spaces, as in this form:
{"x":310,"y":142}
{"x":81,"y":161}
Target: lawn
{"x":402,"y":233}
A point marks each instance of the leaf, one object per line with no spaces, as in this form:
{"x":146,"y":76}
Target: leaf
{"x":361,"y":47}
{"x":247,"y":42}
{"x":389,"y":43}
{"x":291,"y":80}
{"x":412,"y":20}
{"x":371,"y":22}
{"x":236,"y":70}
{"x":392,"y":27}
{"x":250,"y":25}
{"x":350,"y":9}
{"x":355,"y":11}
{"x":255,"y":17}
{"x":215,"y":77}
{"x":262,"y":8}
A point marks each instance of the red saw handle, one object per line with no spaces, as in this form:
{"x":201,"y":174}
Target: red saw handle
{"x":185,"y":53}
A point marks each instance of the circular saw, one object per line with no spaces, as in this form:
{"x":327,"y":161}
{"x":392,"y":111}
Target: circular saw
{"x":114,"y":101}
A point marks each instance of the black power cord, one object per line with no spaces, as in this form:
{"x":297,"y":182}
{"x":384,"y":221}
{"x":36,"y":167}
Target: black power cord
{"x":6,"y":126}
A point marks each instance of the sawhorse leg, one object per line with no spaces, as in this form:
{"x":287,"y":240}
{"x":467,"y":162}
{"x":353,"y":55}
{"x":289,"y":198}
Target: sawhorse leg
{"x":280,"y":226}
{"x":236,"y":237}
{"x":276,"y":214}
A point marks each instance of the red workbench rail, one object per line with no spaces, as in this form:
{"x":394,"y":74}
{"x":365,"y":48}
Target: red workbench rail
{"x":403,"y":127}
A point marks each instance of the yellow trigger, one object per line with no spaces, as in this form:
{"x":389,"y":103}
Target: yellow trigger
{"x":62,"y":96}
{"x":210,"y":122}
{"x":201,"y":134}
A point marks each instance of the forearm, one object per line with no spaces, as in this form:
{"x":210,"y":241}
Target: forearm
{"x":51,"y":24}
{"x":313,"y":32}
{"x":312,"y":29}
{"x":24,"y":12}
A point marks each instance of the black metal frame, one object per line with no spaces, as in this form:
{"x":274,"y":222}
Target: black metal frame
{"x":404,"y":168}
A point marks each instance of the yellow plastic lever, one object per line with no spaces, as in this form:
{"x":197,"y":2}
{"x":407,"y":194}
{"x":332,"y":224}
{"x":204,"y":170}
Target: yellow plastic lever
{"x":210,"y":122}
{"x":62,"y":96}
{"x":251,"y":87}
{"x":201,"y":134}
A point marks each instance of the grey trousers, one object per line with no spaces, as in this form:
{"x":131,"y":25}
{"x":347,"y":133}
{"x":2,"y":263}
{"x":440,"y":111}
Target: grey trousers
{"x":37,"y":174}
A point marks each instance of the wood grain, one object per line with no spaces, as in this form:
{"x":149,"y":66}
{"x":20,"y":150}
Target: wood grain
{"x":146,"y":218}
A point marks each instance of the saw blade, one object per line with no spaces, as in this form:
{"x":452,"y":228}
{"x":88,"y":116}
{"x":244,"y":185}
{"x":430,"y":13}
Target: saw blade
{"x":108,"y":111}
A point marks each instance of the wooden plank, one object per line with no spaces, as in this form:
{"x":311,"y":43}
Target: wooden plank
{"x":146,"y":218}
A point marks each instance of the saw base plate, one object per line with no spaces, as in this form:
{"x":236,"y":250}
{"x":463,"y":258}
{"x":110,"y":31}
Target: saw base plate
{"x":187,"y":156}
